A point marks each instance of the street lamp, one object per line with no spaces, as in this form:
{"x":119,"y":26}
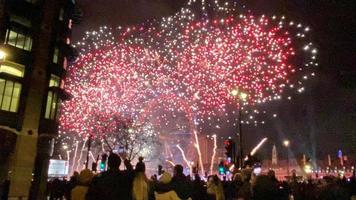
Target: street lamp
{"x":242,"y":97}
{"x":286,"y":143}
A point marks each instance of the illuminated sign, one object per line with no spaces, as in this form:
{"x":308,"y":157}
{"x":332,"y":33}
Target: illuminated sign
{"x":58,"y":168}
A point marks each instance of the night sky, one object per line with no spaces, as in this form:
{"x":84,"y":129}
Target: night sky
{"x":320,"y":120}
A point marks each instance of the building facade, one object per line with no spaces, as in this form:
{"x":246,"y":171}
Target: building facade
{"x":35,"y":37}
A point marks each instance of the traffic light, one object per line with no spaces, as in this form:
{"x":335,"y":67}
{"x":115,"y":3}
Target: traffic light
{"x":222,"y":169}
{"x":104,"y":158}
{"x":230,"y":149}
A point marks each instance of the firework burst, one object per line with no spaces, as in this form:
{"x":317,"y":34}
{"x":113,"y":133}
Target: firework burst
{"x":178,"y":72}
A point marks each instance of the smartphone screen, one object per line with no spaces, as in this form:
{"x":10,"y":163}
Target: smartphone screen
{"x":257,"y":170}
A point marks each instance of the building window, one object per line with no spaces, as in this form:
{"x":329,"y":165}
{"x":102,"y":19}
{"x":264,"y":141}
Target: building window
{"x":55,"y":55}
{"x":9,"y":95}
{"x":18,"y":40}
{"x":61,"y":14}
{"x":12,"y":69}
{"x":54,"y":81}
{"x":51,"y":105}
{"x":21,"y":20}
{"x":52,"y":98}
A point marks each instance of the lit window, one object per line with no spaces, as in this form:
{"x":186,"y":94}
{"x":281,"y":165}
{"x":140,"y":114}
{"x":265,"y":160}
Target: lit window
{"x":12,"y":69}
{"x":51,"y":105}
{"x":20,"y":20}
{"x":12,"y":37}
{"x":10,"y":92}
{"x":70,"y":23}
{"x":21,"y":40}
{"x":54,"y":81}
{"x":55,"y":55}
{"x":18,"y":40}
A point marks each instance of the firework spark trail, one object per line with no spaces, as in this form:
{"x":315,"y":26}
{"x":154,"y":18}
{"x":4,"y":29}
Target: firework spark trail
{"x":75,"y":155}
{"x":185,"y":159}
{"x":103,"y":147}
{"x":92,"y":156}
{"x":254,"y":150}
{"x":81,"y":154}
{"x":171,"y":162}
{"x":168,"y":151}
{"x":199,"y":152}
{"x":213,"y":157}
{"x":68,"y":155}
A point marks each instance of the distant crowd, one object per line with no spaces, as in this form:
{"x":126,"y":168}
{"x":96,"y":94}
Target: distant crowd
{"x":133,"y":184}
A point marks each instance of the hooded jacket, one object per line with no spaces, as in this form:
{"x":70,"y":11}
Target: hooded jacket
{"x":79,"y":192}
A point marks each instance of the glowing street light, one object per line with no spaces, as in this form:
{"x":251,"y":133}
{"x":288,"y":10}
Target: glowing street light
{"x":308,"y":169}
{"x":241,"y":95}
{"x":2,"y":55}
{"x":286,"y":143}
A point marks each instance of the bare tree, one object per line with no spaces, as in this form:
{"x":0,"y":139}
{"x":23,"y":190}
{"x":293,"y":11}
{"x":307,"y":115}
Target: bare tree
{"x":133,"y":139}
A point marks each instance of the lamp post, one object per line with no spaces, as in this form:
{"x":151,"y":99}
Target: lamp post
{"x":241,"y":97}
{"x":89,"y":145}
{"x":286,"y":143}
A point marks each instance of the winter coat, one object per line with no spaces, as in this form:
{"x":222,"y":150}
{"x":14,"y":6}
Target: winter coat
{"x":111,"y":185}
{"x":140,"y":187}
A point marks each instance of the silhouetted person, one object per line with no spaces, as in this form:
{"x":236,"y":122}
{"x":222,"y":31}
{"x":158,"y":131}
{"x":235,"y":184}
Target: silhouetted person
{"x":244,"y":191}
{"x":73,"y":181}
{"x":199,"y":192}
{"x":266,"y":188}
{"x":215,"y":188}
{"x":5,"y":189}
{"x":80,"y":190}
{"x":112,"y":184}
{"x":181,"y":183}
{"x":141,"y":189}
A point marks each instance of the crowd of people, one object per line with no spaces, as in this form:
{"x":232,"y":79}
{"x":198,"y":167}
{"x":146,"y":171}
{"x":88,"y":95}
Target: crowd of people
{"x":133,"y":184}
